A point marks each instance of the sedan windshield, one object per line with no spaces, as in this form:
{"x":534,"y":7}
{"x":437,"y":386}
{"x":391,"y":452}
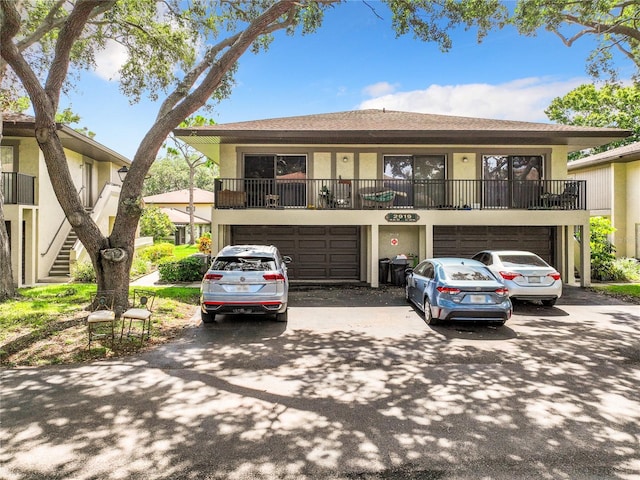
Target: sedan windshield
{"x":463,"y":272}
{"x":517,"y":260}
{"x":244,"y":264}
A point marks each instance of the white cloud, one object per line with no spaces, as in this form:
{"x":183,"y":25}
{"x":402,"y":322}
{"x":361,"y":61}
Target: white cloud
{"x":523,"y":99}
{"x":109,"y":60}
{"x":378,"y":89}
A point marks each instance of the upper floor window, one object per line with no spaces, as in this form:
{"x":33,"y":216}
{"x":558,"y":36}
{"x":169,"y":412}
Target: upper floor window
{"x":418,"y":180}
{"x":512,"y":167}
{"x":7,"y":157}
{"x":276,"y":178}
{"x":510,"y":180}
{"x":415,"y":167}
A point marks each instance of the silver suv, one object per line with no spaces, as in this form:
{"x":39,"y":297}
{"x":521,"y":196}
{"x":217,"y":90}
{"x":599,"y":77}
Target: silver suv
{"x":246,"y":279}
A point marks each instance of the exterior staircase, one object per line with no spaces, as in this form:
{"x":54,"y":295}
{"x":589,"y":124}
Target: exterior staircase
{"x":60,"y":267}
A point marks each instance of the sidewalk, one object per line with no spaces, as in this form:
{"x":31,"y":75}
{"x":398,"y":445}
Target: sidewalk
{"x":153,"y":280}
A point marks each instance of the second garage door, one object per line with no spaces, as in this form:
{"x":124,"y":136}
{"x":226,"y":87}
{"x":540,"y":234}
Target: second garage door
{"x":318,"y":252}
{"x":465,"y":241}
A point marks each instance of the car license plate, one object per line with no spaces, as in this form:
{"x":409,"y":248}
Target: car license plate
{"x":478,"y":299}
{"x":241,"y":310}
{"x":534,"y":279}
{"x":238,"y":288}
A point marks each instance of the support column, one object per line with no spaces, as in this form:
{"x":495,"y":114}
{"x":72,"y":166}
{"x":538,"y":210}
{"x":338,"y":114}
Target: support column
{"x":374,"y":251}
{"x":585,"y":255}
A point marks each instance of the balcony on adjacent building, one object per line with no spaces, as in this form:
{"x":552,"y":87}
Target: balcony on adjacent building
{"x":351,"y":194}
{"x":18,"y":188}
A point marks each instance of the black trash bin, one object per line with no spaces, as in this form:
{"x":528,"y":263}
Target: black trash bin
{"x":398,"y":267}
{"x":383,"y":270}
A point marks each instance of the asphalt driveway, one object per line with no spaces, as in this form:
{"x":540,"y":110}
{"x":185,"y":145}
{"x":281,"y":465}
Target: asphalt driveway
{"x":350,"y":388}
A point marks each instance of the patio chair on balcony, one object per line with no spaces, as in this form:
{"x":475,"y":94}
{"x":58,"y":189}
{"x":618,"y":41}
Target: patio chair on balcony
{"x":342,"y":194}
{"x":567,"y":200}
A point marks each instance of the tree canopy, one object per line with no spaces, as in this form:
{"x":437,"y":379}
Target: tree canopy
{"x":611,"y":105}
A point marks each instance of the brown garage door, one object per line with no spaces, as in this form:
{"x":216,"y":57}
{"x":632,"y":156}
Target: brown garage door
{"x":318,"y":252}
{"x":464,"y":241}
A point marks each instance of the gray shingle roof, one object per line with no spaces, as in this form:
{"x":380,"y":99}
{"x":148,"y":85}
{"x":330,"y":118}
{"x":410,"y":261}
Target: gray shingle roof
{"x":626,"y":153}
{"x":385,"y":126}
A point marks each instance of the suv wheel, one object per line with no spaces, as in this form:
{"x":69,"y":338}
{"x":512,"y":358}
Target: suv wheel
{"x":207,"y":317}
{"x":282,"y":317}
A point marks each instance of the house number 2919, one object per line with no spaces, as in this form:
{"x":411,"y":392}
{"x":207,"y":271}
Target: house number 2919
{"x":401,"y":217}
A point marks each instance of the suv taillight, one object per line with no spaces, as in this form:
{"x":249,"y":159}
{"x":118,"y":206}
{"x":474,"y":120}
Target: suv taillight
{"x":502,"y":291}
{"x":212,"y":276}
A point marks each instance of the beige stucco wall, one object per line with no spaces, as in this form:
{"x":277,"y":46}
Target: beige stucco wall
{"x":43,"y":232}
{"x":364,"y":162}
{"x":632,"y":239}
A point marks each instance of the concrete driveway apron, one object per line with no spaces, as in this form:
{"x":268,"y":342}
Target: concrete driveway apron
{"x":349,"y":391}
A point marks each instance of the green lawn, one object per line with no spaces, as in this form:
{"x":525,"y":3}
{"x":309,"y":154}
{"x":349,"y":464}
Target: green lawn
{"x":182,"y":251}
{"x":36,"y":307}
{"x":622,"y":290}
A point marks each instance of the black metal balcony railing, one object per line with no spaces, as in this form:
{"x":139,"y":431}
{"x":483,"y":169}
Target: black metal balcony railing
{"x":399,"y":194}
{"x":18,"y":188}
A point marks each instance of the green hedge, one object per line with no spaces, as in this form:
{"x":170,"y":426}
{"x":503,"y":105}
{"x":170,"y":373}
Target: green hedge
{"x":189,"y":269}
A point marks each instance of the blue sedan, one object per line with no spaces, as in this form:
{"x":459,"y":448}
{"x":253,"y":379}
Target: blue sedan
{"x":457,"y":289}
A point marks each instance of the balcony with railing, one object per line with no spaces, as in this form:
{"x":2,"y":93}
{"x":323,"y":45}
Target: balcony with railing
{"x":337,"y":194}
{"x":18,"y":188}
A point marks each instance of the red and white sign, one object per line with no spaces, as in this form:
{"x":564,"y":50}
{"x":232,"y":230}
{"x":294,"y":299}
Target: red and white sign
{"x":394,"y":241}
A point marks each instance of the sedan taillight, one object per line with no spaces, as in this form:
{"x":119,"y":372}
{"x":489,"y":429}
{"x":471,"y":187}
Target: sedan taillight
{"x":449,"y":290}
{"x":212,"y":276}
{"x":274,"y":277}
{"x":554,"y":275}
{"x":509,"y":275}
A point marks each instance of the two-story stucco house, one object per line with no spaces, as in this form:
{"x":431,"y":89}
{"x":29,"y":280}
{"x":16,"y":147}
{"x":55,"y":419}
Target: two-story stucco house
{"x":613,"y":191}
{"x":338,"y":192}
{"x":42,"y":241}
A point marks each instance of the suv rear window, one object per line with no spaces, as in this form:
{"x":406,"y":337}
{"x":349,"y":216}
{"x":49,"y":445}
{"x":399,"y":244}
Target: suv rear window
{"x":244,"y":264}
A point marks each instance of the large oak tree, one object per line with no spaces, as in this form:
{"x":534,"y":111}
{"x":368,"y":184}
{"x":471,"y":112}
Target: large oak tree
{"x":185,"y":53}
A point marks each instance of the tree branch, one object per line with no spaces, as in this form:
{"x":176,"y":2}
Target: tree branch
{"x":68,"y":35}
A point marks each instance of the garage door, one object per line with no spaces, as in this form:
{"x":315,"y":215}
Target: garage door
{"x":318,"y":252}
{"x":464,"y":241}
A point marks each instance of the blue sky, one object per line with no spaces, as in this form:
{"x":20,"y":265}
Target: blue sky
{"x":354,"y":61}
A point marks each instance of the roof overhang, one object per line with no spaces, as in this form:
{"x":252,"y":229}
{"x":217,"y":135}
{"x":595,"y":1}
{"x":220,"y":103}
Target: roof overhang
{"x":70,"y":139}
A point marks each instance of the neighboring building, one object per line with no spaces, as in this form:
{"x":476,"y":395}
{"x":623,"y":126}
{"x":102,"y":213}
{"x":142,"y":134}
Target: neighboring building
{"x":613,"y":191}
{"x":176,"y":205}
{"x":41,"y":239}
{"x":338,"y":192}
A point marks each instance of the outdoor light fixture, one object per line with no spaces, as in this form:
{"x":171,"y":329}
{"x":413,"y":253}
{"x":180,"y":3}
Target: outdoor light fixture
{"x":122,"y":172}
{"x":465,"y":159}
{"x":345,"y":159}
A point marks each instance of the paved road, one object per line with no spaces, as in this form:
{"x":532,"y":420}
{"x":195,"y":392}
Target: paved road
{"x":345,"y":392}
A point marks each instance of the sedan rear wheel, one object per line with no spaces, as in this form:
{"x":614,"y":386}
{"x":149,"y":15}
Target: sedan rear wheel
{"x":406,"y":294}
{"x":428,"y":315}
{"x":549,"y":303}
